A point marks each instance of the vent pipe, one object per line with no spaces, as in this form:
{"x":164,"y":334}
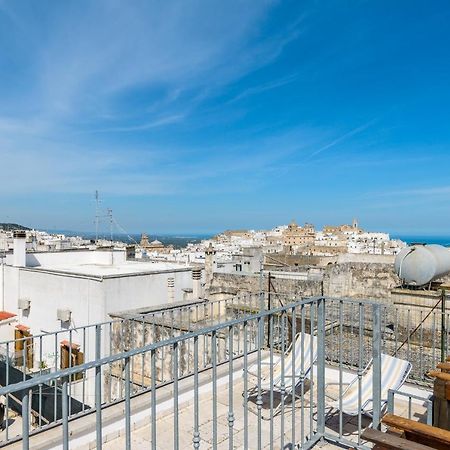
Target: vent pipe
{"x":19,"y":252}
{"x":196,"y":283}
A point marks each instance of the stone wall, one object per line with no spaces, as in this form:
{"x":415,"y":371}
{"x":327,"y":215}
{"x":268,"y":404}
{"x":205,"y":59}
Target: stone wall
{"x":251,"y":283}
{"x":361,"y":280}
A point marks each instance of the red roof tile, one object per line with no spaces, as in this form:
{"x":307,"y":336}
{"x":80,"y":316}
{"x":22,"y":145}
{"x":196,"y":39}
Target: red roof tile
{"x":6,"y":315}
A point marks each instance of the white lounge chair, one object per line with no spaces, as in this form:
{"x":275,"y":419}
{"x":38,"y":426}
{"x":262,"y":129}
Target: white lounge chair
{"x":305,"y":349}
{"x":394,"y":372}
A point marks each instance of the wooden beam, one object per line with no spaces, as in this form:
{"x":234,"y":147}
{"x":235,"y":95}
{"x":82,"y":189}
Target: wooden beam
{"x":386,"y":441}
{"x":444,"y":366}
{"x":439,"y":375}
{"x":419,"y":432}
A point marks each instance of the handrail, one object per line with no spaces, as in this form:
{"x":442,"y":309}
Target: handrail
{"x":42,"y":379}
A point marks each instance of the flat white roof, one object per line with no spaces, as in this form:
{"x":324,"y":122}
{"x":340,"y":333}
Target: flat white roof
{"x":124,"y":268}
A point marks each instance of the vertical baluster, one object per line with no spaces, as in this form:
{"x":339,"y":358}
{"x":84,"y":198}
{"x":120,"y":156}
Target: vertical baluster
{"x":25,"y":421}
{"x":302,"y":374}
{"x":70,"y":366}
{"x":214,"y":386}
{"x":143,"y":354}
{"x":7,"y":396}
{"x":360,"y":368}
{"x":40,"y":384}
{"x":421,"y":362}
{"x":55,"y":417}
{"x":230,"y":389}
{"x":271,"y":378}
{"x":259,"y":401}
{"x":153,"y":397}
{"x":98,"y":389}
{"x":196,"y":438}
{"x":282,"y":363}
{"x":245,"y":385}
{"x":65,"y":415}
{"x":83,"y":388}
{"x":127,"y":405}
{"x":376,"y":369}
{"x":176,"y":442}
{"x":321,"y":366}
{"x":341,"y":337}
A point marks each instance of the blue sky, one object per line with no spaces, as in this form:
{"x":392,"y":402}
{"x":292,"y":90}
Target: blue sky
{"x":193,"y":116}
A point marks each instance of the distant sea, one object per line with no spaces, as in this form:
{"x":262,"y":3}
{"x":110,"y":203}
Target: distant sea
{"x":182,"y":239}
{"x":418,"y":239}
{"x":177,"y":240}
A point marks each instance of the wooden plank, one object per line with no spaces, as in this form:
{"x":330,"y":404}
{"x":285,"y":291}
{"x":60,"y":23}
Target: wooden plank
{"x":439,"y":375}
{"x":419,"y":432}
{"x":445,"y":366}
{"x":391,"y":441}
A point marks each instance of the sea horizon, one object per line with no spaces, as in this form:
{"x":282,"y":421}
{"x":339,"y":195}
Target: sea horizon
{"x":182,"y":239}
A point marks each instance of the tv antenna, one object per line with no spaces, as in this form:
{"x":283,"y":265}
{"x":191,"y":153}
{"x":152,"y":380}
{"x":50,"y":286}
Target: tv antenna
{"x":97,"y":216}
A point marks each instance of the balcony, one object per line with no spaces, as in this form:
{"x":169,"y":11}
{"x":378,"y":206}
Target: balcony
{"x":222,"y":380}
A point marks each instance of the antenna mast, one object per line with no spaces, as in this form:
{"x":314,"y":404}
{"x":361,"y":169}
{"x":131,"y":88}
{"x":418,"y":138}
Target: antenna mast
{"x":110,"y":223}
{"x":96,"y":215}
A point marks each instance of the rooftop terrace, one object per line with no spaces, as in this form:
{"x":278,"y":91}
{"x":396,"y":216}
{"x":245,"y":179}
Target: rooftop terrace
{"x":227,"y":384}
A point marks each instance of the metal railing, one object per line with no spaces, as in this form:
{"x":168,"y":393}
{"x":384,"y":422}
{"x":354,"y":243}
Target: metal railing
{"x":417,"y":333}
{"x":206,"y":363}
{"x":410,"y":399}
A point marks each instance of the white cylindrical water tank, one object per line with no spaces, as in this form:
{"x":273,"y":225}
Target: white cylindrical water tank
{"x":420,"y":264}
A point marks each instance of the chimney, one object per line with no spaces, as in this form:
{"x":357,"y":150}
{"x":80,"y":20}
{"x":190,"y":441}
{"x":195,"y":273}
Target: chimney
{"x":19,"y":252}
{"x":171,"y":289}
{"x":196,"y":284}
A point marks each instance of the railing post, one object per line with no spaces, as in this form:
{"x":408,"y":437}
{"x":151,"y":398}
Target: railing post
{"x":376,"y":355}
{"x":390,"y":405}
{"x":443,"y":327}
{"x":98,"y":389}
{"x":65,"y":415}
{"x":25,"y":421}
{"x":321,"y":366}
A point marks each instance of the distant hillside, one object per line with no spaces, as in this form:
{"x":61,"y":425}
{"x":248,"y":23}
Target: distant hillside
{"x":12,"y":226}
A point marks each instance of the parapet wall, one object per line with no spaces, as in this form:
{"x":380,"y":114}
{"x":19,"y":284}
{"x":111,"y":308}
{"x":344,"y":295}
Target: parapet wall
{"x":233,"y":283}
{"x":360,"y":280}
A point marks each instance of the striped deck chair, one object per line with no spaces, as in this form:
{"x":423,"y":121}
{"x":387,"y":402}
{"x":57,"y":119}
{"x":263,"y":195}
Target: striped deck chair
{"x":394,"y":372}
{"x":306,"y":348}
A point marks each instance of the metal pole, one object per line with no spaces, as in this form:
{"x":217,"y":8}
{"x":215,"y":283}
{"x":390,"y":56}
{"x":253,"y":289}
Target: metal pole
{"x":98,"y":389}
{"x":443,"y":327}
{"x":376,"y":355}
{"x":321,"y":366}
{"x":25,"y":421}
{"x":127,"y":405}
{"x":268,"y":307}
{"x":65,"y":415}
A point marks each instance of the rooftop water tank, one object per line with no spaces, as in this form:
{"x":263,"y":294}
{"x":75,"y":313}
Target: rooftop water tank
{"x":420,"y":264}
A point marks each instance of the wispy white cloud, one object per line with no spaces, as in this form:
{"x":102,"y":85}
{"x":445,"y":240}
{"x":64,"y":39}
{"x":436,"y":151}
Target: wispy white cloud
{"x":168,"y":120}
{"x":342,"y":138}
{"x":264,"y":87}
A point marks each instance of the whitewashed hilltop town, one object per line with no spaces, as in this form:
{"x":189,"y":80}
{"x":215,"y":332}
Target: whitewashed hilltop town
{"x":71,"y":308}
{"x":292,"y":242}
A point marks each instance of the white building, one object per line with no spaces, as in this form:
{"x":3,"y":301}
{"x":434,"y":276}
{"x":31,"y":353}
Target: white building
{"x":53,"y":291}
